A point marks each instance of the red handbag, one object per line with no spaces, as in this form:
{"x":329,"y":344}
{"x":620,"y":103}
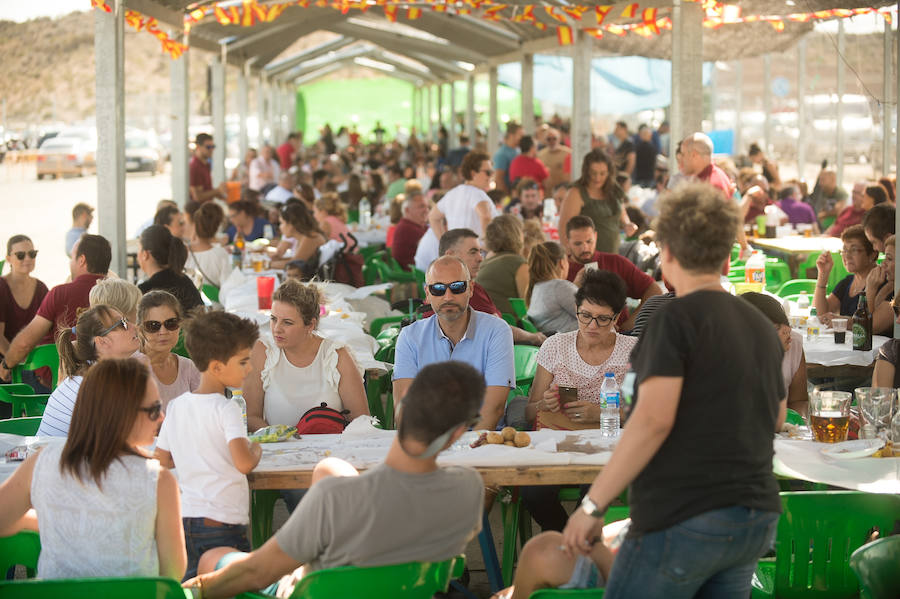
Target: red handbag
{"x":322,"y":420}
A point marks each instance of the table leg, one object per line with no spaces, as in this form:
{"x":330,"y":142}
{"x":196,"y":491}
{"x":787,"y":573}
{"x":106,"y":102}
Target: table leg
{"x":489,"y":553}
{"x":262,"y":506}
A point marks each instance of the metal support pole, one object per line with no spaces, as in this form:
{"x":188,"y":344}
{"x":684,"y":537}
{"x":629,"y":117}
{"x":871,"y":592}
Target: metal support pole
{"x":528,"y":93}
{"x":801,"y":108}
{"x":767,"y":102}
{"x":493,"y":122}
{"x":713,"y":97}
{"x":260,"y":113}
{"x":470,"y":108}
{"x":180,"y":99}
{"x":218,"y":119}
{"x":243,"y":101}
{"x":687,"y":70}
{"x":887,"y":78}
{"x":429,"y":116}
{"x":440,"y":106}
{"x":738,"y":104}
{"x":453,"y":141}
{"x":109,"y":50}
{"x":581,"y":98}
{"x":839,"y":124}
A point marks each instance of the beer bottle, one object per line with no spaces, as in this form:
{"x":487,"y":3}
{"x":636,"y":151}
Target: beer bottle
{"x":862,"y":326}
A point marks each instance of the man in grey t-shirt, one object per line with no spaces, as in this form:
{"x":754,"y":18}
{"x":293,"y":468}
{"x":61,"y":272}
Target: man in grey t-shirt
{"x":405,"y":509}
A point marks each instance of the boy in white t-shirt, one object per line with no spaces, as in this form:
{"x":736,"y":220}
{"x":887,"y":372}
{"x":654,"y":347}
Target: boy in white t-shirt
{"x":205,"y":437}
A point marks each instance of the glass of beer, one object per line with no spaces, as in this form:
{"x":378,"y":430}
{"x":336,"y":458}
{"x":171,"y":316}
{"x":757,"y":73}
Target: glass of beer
{"x":829,"y":415}
{"x":875,"y":404}
{"x":840,"y":330}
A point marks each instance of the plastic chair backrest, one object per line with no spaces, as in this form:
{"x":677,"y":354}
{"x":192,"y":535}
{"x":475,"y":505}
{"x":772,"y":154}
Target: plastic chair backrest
{"x":794,"y":417}
{"x":26,"y":427}
{"x":94,"y":588}
{"x":413,"y":580}
{"x":210,"y":291}
{"x":32,"y":404}
{"x":525,"y":357}
{"x":378,"y":324}
{"x":567,"y":594}
{"x":797,"y":286}
{"x":816,"y":535}
{"x":20,"y":549}
{"x":40,"y":356}
{"x":777,"y":273}
{"x":838,"y":272}
{"x":180,"y":348}
{"x":6,"y":396}
{"x":518,"y":306}
{"x":877,"y":565}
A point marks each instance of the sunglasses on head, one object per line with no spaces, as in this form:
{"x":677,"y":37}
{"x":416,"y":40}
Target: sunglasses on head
{"x":30,"y":253}
{"x":153,"y":411}
{"x":456,"y":288}
{"x":153,"y":326}
{"x":119,"y":323}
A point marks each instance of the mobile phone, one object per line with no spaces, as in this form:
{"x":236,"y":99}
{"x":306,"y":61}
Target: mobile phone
{"x":567,"y":394}
{"x":589,"y":266}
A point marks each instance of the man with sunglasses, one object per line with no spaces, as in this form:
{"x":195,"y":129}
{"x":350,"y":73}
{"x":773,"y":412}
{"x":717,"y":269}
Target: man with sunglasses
{"x":457,"y":332}
{"x":59,"y":309}
{"x":417,"y":510}
{"x":200,"y":173}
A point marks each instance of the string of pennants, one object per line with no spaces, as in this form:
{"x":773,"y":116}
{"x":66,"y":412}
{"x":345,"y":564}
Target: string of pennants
{"x":593,"y":20}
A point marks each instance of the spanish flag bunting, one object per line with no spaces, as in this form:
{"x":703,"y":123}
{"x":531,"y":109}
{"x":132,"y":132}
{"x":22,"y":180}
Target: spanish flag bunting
{"x":413,"y":13}
{"x":551,"y":10}
{"x":630,"y":11}
{"x":731,"y":13}
{"x":134,"y":19}
{"x":464,"y":11}
{"x":439,"y":7}
{"x":887,"y":17}
{"x":390,"y":11}
{"x":778,"y":25}
{"x":492,"y":13}
{"x":649,"y":16}
{"x":601,"y":11}
{"x":275,"y":11}
{"x":564,"y":35}
{"x":574,"y":12}
{"x":595,"y":31}
{"x":540,"y":25}
{"x":101,"y":5}
{"x":616,"y":30}
{"x":527,"y":14}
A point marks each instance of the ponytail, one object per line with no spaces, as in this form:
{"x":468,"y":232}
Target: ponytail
{"x":76,"y":345}
{"x":543,"y":264}
{"x":167,"y":250}
{"x":177,"y":255}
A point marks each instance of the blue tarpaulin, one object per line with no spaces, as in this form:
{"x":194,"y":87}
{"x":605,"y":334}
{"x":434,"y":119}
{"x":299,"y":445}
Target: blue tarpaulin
{"x":619,"y":84}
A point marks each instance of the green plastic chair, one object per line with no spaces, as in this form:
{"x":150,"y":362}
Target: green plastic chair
{"x":413,"y":580}
{"x":525,"y":358}
{"x":827,"y":222}
{"x":777,"y":274}
{"x":807,"y":268}
{"x":2,"y":264}
{"x":817,"y":533}
{"x":352,"y":215}
{"x":40,"y":356}
{"x":20,"y":549}
{"x":180,"y":348}
{"x":375,"y":389}
{"x":9,"y":390}
{"x":27,"y":427}
{"x":794,"y":417}
{"x":567,"y":594}
{"x":795,"y":286}
{"x":368,"y":251}
{"x":378,"y":324}
{"x":839,"y":271}
{"x":211,"y":292}
{"x":521,"y":312}
{"x":94,"y":588}
{"x":877,"y":565}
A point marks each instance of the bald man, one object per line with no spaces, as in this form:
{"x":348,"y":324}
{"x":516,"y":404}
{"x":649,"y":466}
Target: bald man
{"x":457,"y":332}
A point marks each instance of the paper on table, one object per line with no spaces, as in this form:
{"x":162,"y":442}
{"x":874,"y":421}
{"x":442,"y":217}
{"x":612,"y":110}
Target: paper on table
{"x":368,"y":290}
{"x":364,"y":426}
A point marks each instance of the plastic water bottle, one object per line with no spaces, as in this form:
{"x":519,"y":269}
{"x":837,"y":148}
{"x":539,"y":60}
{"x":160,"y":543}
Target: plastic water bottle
{"x":365,"y":214}
{"x":813,"y":327}
{"x":803,"y":301}
{"x":237,"y":396}
{"x":755,"y":269}
{"x":609,"y":408}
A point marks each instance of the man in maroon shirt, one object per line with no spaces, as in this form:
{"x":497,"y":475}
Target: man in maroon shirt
{"x":410,"y":229}
{"x":581,"y":242}
{"x":527,"y":164}
{"x":852,"y":214}
{"x":463,"y":244}
{"x":288,"y":150}
{"x":199,"y":171}
{"x":89,"y":263}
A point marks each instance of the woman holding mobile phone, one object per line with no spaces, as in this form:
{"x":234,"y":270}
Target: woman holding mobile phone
{"x":577,"y":361}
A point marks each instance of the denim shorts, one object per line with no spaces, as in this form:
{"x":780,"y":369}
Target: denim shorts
{"x":203,"y":534}
{"x":585,"y":575}
{"x":711,"y":555}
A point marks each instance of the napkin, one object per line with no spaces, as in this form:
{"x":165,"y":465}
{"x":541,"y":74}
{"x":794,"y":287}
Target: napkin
{"x":363,"y":426}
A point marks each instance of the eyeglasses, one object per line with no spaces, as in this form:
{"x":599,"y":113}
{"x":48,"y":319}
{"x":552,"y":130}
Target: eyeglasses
{"x":487,"y":172}
{"x":153,"y":411}
{"x":119,"y":323}
{"x":21,"y":255}
{"x":153,"y":326}
{"x":848,"y":251}
{"x":456,"y":288}
{"x":602,"y":320}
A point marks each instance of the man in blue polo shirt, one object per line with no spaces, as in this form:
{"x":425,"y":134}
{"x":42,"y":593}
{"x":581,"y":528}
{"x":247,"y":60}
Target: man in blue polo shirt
{"x":457,"y":332}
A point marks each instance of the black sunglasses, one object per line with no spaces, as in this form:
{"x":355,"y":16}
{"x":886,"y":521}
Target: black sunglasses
{"x":153,"y":326}
{"x":153,"y":411}
{"x":119,"y":323}
{"x":30,"y":253}
{"x":456,"y":288}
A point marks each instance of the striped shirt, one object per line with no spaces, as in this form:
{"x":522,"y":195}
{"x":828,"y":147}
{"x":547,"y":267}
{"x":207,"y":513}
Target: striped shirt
{"x":58,"y":413}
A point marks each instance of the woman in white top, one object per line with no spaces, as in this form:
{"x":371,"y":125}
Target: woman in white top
{"x":300,"y":369}
{"x":159,"y":320}
{"x":105,"y":508}
{"x":204,"y":254}
{"x":101,"y":333}
{"x":467,"y":205}
{"x":550,"y":296}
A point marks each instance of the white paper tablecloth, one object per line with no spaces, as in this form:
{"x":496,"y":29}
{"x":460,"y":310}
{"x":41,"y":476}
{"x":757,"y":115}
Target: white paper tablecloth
{"x":804,"y":460}
{"x":826,"y":352}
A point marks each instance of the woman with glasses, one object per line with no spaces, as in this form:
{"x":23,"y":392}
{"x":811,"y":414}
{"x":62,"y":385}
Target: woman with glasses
{"x":597,"y":195}
{"x":859,"y":259}
{"x":20,"y":293}
{"x":159,"y":322}
{"x":551,"y":296}
{"x":578,"y":359}
{"x":105,"y":507}
{"x":101,"y":333}
{"x":162,"y":257}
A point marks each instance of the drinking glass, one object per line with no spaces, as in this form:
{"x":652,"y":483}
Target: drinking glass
{"x":829,"y":415}
{"x":875,"y":405}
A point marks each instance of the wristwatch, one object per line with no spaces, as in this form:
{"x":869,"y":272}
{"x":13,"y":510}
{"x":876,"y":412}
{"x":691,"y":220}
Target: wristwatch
{"x":590,"y":508}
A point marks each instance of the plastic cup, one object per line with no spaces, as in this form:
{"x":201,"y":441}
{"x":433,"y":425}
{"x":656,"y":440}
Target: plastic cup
{"x":840,"y":330}
{"x":265,"y":287}
{"x":876,"y":405}
{"x":234,"y":191}
{"x":829,"y":415}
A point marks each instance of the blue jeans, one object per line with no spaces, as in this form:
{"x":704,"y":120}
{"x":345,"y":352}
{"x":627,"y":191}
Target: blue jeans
{"x":203,"y":534}
{"x":712,"y":555}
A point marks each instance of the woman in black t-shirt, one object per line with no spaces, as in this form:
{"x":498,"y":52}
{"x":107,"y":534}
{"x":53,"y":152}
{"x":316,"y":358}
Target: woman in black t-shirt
{"x":697,"y":449}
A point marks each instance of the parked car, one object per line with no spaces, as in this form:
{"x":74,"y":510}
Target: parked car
{"x":67,"y":155}
{"x":143,"y":152}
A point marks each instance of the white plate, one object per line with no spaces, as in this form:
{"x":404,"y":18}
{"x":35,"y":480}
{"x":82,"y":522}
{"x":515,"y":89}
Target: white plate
{"x":849,"y":450}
